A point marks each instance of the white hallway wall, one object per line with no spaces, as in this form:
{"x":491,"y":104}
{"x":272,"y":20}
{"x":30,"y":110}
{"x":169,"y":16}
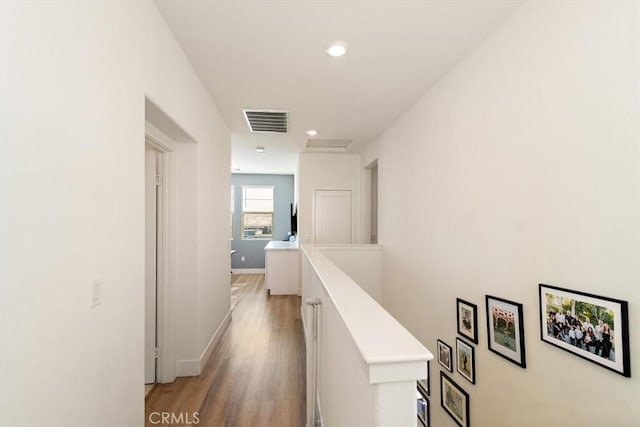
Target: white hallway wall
{"x":326,"y":171}
{"x":524,"y":168}
{"x":74,"y":80}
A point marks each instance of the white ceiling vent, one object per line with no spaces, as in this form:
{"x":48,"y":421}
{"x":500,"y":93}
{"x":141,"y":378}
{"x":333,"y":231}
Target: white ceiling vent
{"x":334,"y":145}
{"x":267,"y":121}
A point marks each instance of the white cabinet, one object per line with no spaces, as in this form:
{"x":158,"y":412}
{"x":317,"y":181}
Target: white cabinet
{"x":282,"y":275}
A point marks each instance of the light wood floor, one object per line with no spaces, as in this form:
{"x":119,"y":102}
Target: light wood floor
{"x":255,"y":376}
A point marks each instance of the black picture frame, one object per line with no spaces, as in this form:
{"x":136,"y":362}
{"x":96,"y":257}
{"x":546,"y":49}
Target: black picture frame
{"x":422,"y":407}
{"x":467,"y":315}
{"x":445,"y":355}
{"x":505,"y":329}
{"x":466,"y":360}
{"x":424,"y":385}
{"x":566,"y":314}
{"x":454,"y":400}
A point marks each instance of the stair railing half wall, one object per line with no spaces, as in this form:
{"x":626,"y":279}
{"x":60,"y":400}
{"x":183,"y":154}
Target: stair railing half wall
{"x":362,"y":365}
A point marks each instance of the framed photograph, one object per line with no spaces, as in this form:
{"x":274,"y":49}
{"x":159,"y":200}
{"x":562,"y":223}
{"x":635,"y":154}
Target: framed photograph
{"x":454,"y":400}
{"x":505,"y":329}
{"x":467,"y":319}
{"x":466,"y":360}
{"x":423,"y":385}
{"x":444,"y":355}
{"x":592,"y":327}
{"x":423,"y":408}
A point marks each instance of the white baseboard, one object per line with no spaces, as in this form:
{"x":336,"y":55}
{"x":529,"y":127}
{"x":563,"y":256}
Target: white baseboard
{"x":215,"y":339}
{"x":194,"y":367}
{"x":188,"y":368}
{"x":247,"y":271}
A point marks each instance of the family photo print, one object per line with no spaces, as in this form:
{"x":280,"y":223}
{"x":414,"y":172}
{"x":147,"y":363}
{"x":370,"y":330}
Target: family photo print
{"x":423,"y":408}
{"x":454,"y":400}
{"x":592,"y":327}
{"x":467,"y":319}
{"x":465,"y":356}
{"x":444,"y":355}
{"x":505,"y":329}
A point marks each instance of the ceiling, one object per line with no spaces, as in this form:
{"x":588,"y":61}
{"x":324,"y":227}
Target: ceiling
{"x":270,"y":55}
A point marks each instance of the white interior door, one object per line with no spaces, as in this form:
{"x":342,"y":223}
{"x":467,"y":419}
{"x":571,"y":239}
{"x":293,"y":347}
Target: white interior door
{"x":332,"y":216}
{"x":151,"y":251}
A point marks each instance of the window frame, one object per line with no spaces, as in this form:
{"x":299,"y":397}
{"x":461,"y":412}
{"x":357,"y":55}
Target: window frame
{"x":244,"y":212}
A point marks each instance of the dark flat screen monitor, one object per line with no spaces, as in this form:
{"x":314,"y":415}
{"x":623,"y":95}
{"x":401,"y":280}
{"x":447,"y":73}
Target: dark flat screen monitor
{"x":294,"y":219}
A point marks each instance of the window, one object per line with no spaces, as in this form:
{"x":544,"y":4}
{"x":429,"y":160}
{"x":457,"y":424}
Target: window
{"x":233,"y":208}
{"x":257,"y":212}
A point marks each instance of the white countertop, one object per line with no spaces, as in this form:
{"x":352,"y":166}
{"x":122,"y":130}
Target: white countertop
{"x":279,"y":245}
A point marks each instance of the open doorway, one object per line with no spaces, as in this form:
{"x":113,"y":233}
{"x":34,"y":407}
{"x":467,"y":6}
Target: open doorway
{"x":370,"y":197}
{"x":159,"y":366}
{"x":374,"y":203}
{"x":165,"y":143}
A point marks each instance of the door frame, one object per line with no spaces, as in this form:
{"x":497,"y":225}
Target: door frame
{"x":373,"y":208}
{"x":165,"y":267}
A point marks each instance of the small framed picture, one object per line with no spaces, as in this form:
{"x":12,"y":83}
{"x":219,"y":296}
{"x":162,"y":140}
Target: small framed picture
{"x":423,"y":408}
{"x":454,"y":400}
{"x":423,"y":385}
{"x":467,"y":319}
{"x":444,"y":355}
{"x":466,"y":360}
{"x":505,"y":329}
{"x":592,"y":327}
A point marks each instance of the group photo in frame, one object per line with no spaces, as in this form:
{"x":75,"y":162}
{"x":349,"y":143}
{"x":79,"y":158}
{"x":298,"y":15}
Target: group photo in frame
{"x":445,"y":356}
{"x":592,"y":327}
{"x":505,"y":329}
{"x":454,"y":400}
{"x":467,"y":315}
{"x":466,"y":360}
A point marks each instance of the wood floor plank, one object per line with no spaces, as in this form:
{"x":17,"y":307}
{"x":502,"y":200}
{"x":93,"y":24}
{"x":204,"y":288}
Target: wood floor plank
{"x":256,"y":373}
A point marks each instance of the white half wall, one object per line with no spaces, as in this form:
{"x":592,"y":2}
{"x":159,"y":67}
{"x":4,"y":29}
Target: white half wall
{"x":73,"y":85}
{"x":368,"y":363}
{"x":522,"y":166}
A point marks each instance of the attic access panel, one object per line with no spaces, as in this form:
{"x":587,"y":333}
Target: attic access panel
{"x":328,"y":145}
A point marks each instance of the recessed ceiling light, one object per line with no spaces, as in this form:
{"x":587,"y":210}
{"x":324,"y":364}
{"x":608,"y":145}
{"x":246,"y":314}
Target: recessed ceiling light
{"x":336,"y":48}
{"x":260,"y":149}
{"x":311,"y":132}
